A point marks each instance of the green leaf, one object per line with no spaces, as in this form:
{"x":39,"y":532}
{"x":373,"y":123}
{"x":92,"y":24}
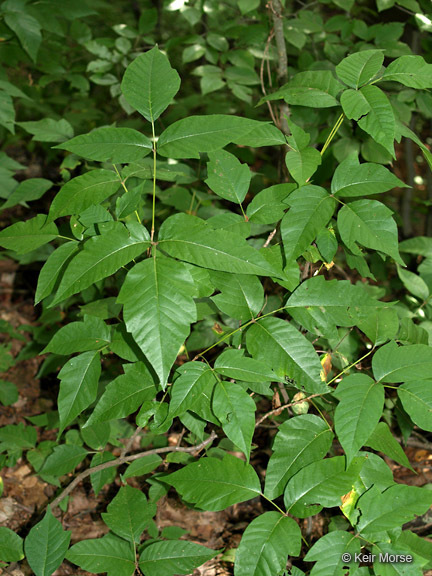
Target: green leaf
{"x":8,"y":393}
{"x":27,"y":191}
{"x":11,"y":545}
{"x":360,"y":407}
{"x":193,"y":240}
{"x":107,"y":144}
{"x":261,"y":134}
{"x":311,"y":209}
{"x":267,"y":206}
{"x":416,"y":398}
{"x":298,"y":442}
{"x":393,"y":363}
{"x":84,"y":191}
{"x":173,"y":557}
{"x":109,"y":554}
{"x":318,"y":303}
{"x":195,"y":379}
{"x":413,"y":283}
{"x":380,"y":121}
{"x":384,"y":566}
{"x":354,"y":104}
{"x":233,"y":364}
{"x":240,"y":296}
{"x":235,"y":409}
{"x":358,"y":69}
{"x":313,"y":88}
{"x":92,"y":334}
{"x":302,"y":164}
{"x":370,"y":224}
{"x":227,"y":177}
{"x":188,"y":137}
{"x":265,"y":545}
{"x":410,"y":71}
{"x":78,"y":387}
{"x":17,"y":436}
{"x":52,"y":269}
{"x":213,"y":484}
{"x":101,"y":257}
{"x":142,"y":466}
{"x":63,"y":460}
{"x":380,"y":325}
{"x":7,"y":112}
{"x":352,"y":179}
{"x":158,"y":308}
{"x":420,"y":547}
{"x":27,"y":29}
{"x":284,"y":349}
{"x":420,"y":246}
{"x":48,"y":130}
{"x":24,"y":237}
{"x":102,"y":477}
{"x":149,"y":84}
{"x":382,"y":440}
{"x":46,"y":545}
{"x":320,"y":484}
{"x":395,"y":506}
{"x":129,"y":513}
{"x":329,"y":550}
{"x":124,"y":394}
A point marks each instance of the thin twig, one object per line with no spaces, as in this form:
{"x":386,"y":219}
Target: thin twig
{"x":123,"y":459}
{"x":279,"y":410}
{"x":130,"y":442}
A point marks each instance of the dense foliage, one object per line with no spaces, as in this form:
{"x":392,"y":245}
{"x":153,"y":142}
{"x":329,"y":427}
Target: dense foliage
{"x":216,"y":224}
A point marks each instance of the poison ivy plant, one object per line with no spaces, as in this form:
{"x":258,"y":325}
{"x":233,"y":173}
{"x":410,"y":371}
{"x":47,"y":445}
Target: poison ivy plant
{"x":205,"y":270}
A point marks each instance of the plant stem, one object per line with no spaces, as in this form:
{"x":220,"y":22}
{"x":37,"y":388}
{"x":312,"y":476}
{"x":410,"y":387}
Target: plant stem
{"x":333,"y":133}
{"x":124,"y":459}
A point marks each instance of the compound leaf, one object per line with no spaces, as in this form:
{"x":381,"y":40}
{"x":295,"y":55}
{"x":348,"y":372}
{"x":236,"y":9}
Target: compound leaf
{"x":416,"y":398}
{"x":158,"y":308}
{"x":284,"y":349}
{"x":227,"y":177}
{"x":101,"y":256}
{"x":393,"y":363}
{"x":174,"y":557}
{"x":149,"y":84}
{"x":84,"y":191}
{"x":360,"y":407}
{"x":380,"y":121}
{"x":129,"y":513}
{"x":109,"y":554}
{"x":265,"y":545}
{"x":109,"y":144}
{"x":193,"y":240}
{"x":124,"y":394}
{"x":235,"y":409}
{"x":369,"y":223}
{"x":410,"y":70}
{"x":298,"y":442}
{"x":359,"y":68}
{"x":311,"y":209}
{"x":23,"y":237}
{"x":79,"y":379}
{"x":213,"y":484}
{"x":352,"y":179}
{"x":46,"y":545}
